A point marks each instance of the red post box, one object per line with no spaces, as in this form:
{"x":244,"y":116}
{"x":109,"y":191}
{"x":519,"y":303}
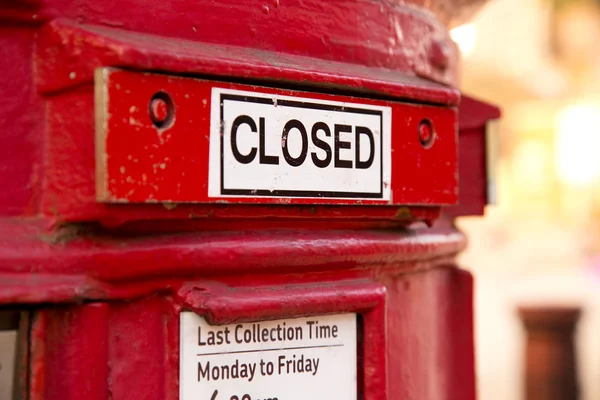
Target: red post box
{"x":232,"y":200}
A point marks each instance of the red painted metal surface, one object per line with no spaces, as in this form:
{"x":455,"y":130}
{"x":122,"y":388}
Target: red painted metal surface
{"x":73,"y":40}
{"x":64,"y":261}
{"x":66,"y":56}
{"x":69,"y":52}
{"x":407,"y":337}
{"x":392,"y":279}
{"x":140,"y":161}
{"x":20,"y":154}
{"x":104,"y":283}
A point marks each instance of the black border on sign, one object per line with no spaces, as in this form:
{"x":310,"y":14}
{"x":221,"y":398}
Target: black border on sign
{"x":299,"y":193}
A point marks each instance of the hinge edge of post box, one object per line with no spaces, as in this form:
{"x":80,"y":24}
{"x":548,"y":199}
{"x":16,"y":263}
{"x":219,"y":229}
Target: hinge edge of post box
{"x":474,"y":118}
{"x":67,"y":54}
{"x":475,"y":113}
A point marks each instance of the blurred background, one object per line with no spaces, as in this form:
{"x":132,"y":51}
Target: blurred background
{"x":539,"y":60}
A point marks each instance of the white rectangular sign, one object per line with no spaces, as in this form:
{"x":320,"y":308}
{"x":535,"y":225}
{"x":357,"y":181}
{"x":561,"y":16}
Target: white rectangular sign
{"x":292,"y":359}
{"x":283,"y":146}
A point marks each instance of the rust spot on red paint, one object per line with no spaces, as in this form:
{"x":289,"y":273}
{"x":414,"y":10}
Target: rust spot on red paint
{"x":403,"y":213}
{"x":65,"y":234}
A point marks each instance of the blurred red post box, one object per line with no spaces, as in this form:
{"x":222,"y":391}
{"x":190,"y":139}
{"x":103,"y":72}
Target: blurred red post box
{"x":235,"y":200}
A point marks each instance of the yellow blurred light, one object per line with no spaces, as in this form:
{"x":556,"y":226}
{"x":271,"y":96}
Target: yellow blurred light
{"x":465,"y":36}
{"x":531,"y":161}
{"x":578,"y":144}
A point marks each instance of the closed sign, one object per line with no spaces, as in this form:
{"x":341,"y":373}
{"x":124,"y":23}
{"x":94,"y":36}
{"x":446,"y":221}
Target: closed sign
{"x":173,"y":139}
{"x":271,"y":145}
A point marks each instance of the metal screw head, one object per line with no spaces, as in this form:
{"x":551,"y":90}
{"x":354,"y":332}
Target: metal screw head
{"x":161,"y":110}
{"x":426,"y":133}
{"x":158,"y":110}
